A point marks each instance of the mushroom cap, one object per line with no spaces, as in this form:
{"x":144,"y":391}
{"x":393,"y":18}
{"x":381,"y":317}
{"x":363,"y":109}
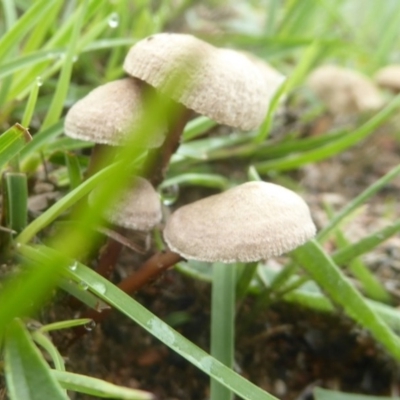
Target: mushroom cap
{"x":389,"y":77}
{"x":138,"y":207}
{"x":222,"y":84}
{"x":250,"y":222}
{"x":344,"y":91}
{"x":110,"y":113}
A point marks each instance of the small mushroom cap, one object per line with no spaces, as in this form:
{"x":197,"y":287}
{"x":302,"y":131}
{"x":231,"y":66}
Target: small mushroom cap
{"x":249,"y":222}
{"x":110,"y":113}
{"x":138,"y":207}
{"x":222,"y":84}
{"x":344,"y":91}
{"x":389,"y":77}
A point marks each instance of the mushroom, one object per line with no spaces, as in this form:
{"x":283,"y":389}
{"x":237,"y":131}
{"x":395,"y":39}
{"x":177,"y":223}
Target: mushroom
{"x":109,"y":114}
{"x":389,"y":77}
{"x":344,"y":91}
{"x":138,"y":207}
{"x":250,"y":222}
{"x":222,"y":84}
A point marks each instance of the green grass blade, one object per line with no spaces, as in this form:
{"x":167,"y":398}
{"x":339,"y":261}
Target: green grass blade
{"x":244,"y":280}
{"x":366,"y":244}
{"x":44,"y":341}
{"x":333,"y":148}
{"x":295,"y":78}
{"x":23,"y":25}
{"x":97,"y":387}
{"x":16,"y":200}
{"x":387,"y":41}
{"x":357,"y":202}
{"x":74,"y":170}
{"x":316,"y":300}
{"x":197,"y":127}
{"x":41,"y":139}
{"x":66,"y":202}
{"x":60,"y":93}
{"x":11,"y":142}
{"x":38,"y":35}
{"x":372,"y":287}
{"x":135,"y":311}
{"x":330,"y":278}
{"x":28,"y":376}
{"x":10,"y":13}
{"x":28,"y":61}
{"x":222,"y":323}
{"x":196,"y":179}
{"x":30,"y":105}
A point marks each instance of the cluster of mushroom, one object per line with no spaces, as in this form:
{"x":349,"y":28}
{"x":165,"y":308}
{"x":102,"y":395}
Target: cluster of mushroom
{"x":346,"y":92}
{"x":249,"y":222}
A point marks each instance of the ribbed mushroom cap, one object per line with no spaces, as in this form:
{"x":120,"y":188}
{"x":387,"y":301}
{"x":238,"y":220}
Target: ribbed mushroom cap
{"x":137,"y":208}
{"x":249,"y":222}
{"x":225,"y":85}
{"x":389,"y":77}
{"x":109,"y":113}
{"x":344,"y":91}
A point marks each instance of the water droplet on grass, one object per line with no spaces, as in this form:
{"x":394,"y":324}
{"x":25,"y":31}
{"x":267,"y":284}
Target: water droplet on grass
{"x":83,"y":285}
{"x":90,"y":325}
{"x":169,"y":194}
{"x":73,"y":266}
{"x":39,"y":81}
{"x":99,"y":287}
{"x":113,"y":20}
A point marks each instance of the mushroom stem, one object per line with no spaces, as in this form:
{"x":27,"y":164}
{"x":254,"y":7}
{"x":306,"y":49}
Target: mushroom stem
{"x":97,"y":158}
{"x":158,"y":159}
{"x":108,"y":257}
{"x":151,"y":269}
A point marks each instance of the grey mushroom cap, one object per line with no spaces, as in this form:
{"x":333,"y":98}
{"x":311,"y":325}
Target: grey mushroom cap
{"x":222,"y":84}
{"x":344,"y":91}
{"x":138,"y":207}
{"x":389,"y":77}
{"x":110,"y":113}
{"x":250,"y":222}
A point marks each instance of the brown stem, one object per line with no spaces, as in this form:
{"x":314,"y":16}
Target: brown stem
{"x":108,"y":257}
{"x":158,"y":159}
{"x":150,"y":270}
{"x":101,"y":153}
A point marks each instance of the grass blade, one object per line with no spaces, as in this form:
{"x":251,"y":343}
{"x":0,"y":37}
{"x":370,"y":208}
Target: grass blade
{"x":330,"y":278}
{"x":23,"y":25}
{"x":333,"y":148}
{"x":15,"y":199}
{"x":348,"y":253}
{"x":27,"y":374}
{"x":357,"y":202}
{"x":156,"y":327}
{"x":66,"y":202}
{"x":97,"y":387}
{"x":60,"y":94}
{"x":11,"y":142}
{"x":222,"y":323}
